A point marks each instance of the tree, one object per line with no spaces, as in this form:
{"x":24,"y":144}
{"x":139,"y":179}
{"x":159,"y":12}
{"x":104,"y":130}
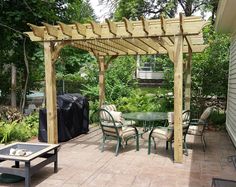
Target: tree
{"x":14,"y":16}
{"x":154,"y":8}
{"x":134,"y":9}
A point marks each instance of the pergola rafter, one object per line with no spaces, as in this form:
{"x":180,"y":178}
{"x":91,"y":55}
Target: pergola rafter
{"x":173,"y":36}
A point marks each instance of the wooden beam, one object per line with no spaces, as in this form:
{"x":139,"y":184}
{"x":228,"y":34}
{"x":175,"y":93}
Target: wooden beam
{"x":128,"y":26}
{"x":126,"y":29}
{"x":181,"y":22}
{"x":56,"y":50}
{"x":51,"y":105}
{"x":86,"y":48}
{"x":163,"y":25}
{"x":195,"y":48}
{"x":189,"y":42}
{"x":178,"y":99}
{"x":53,"y":30}
{"x":109,"y":61}
{"x":97,"y":48}
{"x":154,"y":45}
{"x":126,"y":44}
{"x":169,"y":48}
{"x":101,"y":61}
{"x":116,"y":46}
{"x":139,"y":44}
{"x":81,"y":29}
{"x":110,"y":51}
{"x":96,"y":28}
{"x":66,"y":29}
{"x":145,"y":25}
{"x":33,"y":37}
{"x":172,"y":39}
{"x":188,"y":82}
{"x":112,"y":26}
{"x":38,"y":31}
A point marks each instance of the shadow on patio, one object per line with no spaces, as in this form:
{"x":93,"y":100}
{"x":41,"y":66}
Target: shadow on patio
{"x":81,"y":163}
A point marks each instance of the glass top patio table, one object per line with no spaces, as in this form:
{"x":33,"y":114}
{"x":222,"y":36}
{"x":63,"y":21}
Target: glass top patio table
{"x":146,"y":116}
{"x":149,"y":119}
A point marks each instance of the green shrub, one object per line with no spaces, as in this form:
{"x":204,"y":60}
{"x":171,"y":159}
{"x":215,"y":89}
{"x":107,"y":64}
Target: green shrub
{"x":218,"y":119}
{"x":19,"y":131}
{"x":141,"y":101}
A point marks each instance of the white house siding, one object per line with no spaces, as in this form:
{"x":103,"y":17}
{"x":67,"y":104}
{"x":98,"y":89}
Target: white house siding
{"x":231,"y":103}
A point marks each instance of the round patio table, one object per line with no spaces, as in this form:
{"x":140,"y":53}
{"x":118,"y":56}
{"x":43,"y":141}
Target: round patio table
{"x":148,"y":118}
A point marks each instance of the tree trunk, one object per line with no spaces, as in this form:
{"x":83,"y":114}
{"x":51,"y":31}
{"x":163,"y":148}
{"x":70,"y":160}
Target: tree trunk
{"x":13,"y":85}
{"x":23,"y":97}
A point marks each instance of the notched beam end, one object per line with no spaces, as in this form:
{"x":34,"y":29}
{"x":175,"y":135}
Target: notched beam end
{"x":81,"y":29}
{"x":128,"y":26}
{"x":52,"y":30}
{"x":66,"y":29}
{"x":145,"y":25}
{"x":38,"y":31}
{"x":96,"y":28}
{"x":112,"y":26}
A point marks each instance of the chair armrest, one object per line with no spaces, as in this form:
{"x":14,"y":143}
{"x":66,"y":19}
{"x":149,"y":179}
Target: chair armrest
{"x":197,"y":123}
{"x":194,"y":120}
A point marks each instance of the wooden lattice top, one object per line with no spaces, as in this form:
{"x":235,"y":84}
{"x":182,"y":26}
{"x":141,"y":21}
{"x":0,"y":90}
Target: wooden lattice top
{"x":127,"y":37}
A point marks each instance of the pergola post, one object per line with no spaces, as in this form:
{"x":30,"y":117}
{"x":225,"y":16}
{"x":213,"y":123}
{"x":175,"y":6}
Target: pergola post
{"x":188,"y":81}
{"x":101,"y":61}
{"x":50,"y":79}
{"x":178,"y":101}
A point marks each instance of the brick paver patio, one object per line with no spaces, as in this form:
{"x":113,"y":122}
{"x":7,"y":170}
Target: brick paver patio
{"x":81,"y":163}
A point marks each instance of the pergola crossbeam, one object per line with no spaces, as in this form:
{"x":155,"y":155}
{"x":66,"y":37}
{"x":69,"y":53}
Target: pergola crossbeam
{"x":189,"y":42}
{"x":138,"y":44}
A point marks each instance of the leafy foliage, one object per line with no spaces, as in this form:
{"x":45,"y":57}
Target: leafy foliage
{"x":21,"y":131}
{"x":14,"y":16}
{"x":135,"y":8}
{"x":141,"y":100}
{"x":210,"y":68}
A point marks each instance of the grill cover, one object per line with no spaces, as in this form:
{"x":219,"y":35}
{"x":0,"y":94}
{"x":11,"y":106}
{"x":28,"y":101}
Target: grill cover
{"x":72,"y":117}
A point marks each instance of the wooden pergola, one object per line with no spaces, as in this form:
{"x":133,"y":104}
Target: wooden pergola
{"x":173,"y":36}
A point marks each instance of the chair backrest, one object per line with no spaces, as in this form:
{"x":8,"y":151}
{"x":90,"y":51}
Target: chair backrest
{"x":205,"y":115}
{"x":185,"y":122}
{"x":110,"y":107}
{"x":185,"y":117}
{"x":110,"y":122}
{"x":170,"y":117}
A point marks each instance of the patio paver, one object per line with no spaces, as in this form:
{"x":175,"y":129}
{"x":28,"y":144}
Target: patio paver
{"x":81,"y":163}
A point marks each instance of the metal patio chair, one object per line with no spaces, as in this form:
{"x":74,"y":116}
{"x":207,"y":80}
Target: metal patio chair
{"x":113,"y":128}
{"x":167,"y":133}
{"x":218,"y":182}
{"x":198,"y":126}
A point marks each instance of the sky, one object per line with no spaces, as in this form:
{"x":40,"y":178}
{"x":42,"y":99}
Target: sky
{"x":101,"y":11}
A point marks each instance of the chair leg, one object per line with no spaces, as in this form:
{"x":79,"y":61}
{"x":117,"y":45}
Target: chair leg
{"x":185,"y":148}
{"x":103,"y":143}
{"x":167,"y":144}
{"x":155,"y":146}
{"x":203,"y":142}
{"x":137,"y":142}
{"x":149,"y":144}
{"x":117,"y":146}
{"x":172,"y":152}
